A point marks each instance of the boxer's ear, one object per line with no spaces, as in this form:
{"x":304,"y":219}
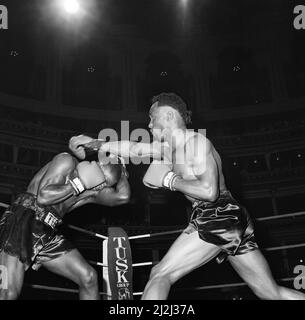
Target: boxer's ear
{"x":170,"y":115}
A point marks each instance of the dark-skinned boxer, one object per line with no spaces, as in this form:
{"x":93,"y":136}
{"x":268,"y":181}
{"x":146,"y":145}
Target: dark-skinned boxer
{"x":28,"y":229}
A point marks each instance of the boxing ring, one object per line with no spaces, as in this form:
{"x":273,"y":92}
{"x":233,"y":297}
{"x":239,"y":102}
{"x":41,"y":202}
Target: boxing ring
{"x":117,"y":261}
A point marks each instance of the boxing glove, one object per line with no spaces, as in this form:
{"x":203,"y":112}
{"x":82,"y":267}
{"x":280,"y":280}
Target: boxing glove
{"x":112,"y":166}
{"x":87,"y":175}
{"x":76,"y":145}
{"x":160,"y":175}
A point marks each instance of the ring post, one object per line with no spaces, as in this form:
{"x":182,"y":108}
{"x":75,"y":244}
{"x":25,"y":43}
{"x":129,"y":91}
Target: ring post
{"x":119,"y":262}
{"x":106,"y":282}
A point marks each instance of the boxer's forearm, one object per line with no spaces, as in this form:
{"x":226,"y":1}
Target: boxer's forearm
{"x":130,"y":149}
{"x":54,"y":194}
{"x":196,"y":189}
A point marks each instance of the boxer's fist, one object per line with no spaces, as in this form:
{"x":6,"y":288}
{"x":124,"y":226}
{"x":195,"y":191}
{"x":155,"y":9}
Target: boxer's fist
{"x":87,"y":175}
{"x":76,"y":145}
{"x":159,"y":175}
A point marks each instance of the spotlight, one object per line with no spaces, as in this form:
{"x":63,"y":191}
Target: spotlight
{"x":14,"y":53}
{"x":91,"y":69}
{"x":71,"y":6}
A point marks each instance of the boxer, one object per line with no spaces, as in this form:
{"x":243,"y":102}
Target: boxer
{"x":187,"y":162}
{"x":28,"y":228}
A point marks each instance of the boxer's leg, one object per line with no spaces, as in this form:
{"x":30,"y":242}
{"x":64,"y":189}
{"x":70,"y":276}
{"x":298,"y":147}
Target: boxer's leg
{"x":11,"y":276}
{"x":254,"y":270}
{"x":73,"y":266}
{"x":187,"y":253}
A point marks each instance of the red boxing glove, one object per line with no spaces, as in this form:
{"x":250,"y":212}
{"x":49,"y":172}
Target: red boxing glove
{"x":87,"y":175}
{"x":160,"y":175}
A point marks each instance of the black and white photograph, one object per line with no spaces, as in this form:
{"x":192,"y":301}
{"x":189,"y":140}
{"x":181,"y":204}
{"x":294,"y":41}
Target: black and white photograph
{"x":152,"y":150}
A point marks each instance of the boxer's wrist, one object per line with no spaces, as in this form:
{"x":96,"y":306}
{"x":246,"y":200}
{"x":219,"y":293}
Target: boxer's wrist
{"x":100,"y":186}
{"x":169,"y":180}
{"x":77,"y":186}
{"x":174,"y":180}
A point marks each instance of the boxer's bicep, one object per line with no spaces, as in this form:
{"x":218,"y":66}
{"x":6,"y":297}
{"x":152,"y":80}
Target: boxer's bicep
{"x":58,"y":170}
{"x":51,"y":180}
{"x":204,"y":165}
{"x":197,"y":152}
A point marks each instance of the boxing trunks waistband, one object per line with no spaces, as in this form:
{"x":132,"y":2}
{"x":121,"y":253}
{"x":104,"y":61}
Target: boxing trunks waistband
{"x":46,"y":214}
{"x":225,"y":194}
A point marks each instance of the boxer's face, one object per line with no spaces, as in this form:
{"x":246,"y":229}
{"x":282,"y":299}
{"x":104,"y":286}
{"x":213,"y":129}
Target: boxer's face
{"x":158,"y":121}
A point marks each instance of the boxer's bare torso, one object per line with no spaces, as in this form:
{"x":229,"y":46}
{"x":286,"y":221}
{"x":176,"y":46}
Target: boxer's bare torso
{"x":184,"y":163}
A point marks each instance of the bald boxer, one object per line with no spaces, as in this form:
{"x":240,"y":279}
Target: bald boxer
{"x":187,"y":162}
{"x":28,"y":228}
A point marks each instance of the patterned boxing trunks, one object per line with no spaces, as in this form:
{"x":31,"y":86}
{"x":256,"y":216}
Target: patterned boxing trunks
{"x":225,"y":224}
{"x":28,"y":231}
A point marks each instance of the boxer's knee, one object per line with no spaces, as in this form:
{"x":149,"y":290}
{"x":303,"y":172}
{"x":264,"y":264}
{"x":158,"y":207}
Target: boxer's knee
{"x":88,"y":278}
{"x":161,"y":272}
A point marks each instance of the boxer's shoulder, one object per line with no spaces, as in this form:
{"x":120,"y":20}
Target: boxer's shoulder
{"x":64,"y":160}
{"x":195,"y":141}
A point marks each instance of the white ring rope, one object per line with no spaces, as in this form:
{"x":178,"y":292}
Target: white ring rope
{"x":150,"y":235}
{"x":140,"y":264}
{"x":58,"y":289}
{"x":219,"y":286}
{"x":91,"y":233}
{"x":216,"y":286}
{"x":288,"y":215}
{"x":290,"y":246}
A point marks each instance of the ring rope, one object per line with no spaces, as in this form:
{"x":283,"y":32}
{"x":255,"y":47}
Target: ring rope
{"x":151,"y":235}
{"x":98,"y":263}
{"x":91,"y":233}
{"x":229,"y":285}
{"x":291,"y":246}
{"x":169,"y":232}
{"x":38,"y":286}
{"x":4,"y":205}
{"x":281,"y":216}
{"x":140,"y":264}
{"x":218,"y":286}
